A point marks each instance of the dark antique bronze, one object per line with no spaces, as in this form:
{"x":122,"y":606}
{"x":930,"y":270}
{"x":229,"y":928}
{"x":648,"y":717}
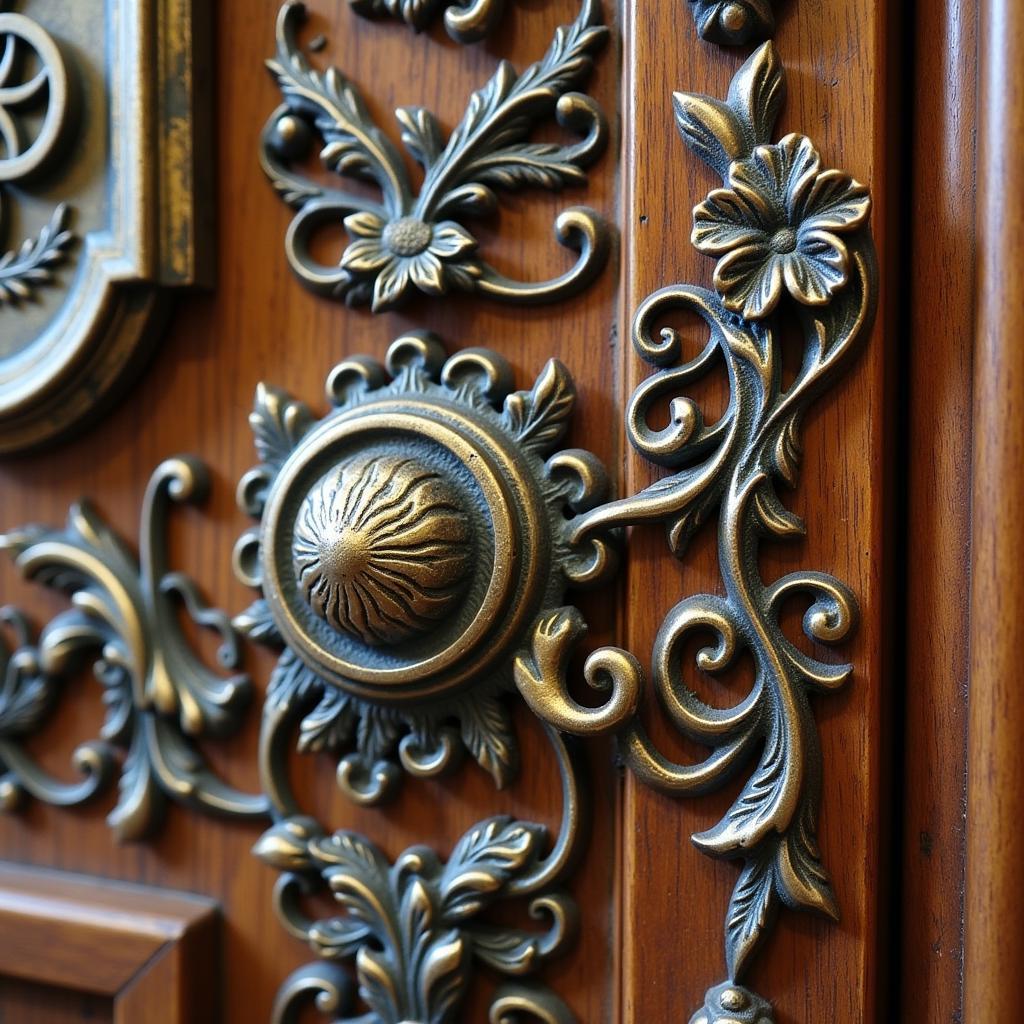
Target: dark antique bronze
{"x":788,"y":235}
{"x":124,"y":620}
{"x":410,"y":241}
{"x":466,"y":21}
{"x":100,"y":175}
{"x":412,"y":545}
{"x":733,"y":22}
{"x":412,"y":929}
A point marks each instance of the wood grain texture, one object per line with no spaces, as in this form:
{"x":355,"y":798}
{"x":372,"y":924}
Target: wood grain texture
{"x":260,"y":324}
{"x":152,"y":953}
{"x":26,"y":1003}
{"x":836,"y":55}
{"x":994,"y":918}
{"x":939,"y":422}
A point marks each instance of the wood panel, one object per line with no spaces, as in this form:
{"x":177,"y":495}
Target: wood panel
{"x":938,"y":427}
{"x":260,"y":324}
{"x":840,"y":92}
{"x":994,"y":906}
{"x":153,"y":954}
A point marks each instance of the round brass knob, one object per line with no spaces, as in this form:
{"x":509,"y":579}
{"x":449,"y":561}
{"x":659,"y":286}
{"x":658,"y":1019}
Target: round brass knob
{"x":382,"y":549}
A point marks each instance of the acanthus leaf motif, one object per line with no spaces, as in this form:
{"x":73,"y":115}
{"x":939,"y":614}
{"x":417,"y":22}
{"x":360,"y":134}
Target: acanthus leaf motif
{"x":408,"y":242}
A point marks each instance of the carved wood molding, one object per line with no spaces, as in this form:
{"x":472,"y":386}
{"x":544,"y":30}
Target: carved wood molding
{"x":153,"y":953}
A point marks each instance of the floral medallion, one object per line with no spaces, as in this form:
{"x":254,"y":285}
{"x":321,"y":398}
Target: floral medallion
{"x":410,"y":544}
{"x":733,"y":22}
{"x":466,"y":21}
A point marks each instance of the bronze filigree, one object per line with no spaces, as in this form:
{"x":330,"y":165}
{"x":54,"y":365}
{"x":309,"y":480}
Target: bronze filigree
{"x":412,"y":242}
{"x":782,"y":227}
{"x":466,"y":21}
{"x":733,"y":22}
{"x":410,"y":543}
{"x":412,"y":930}
{"x":159,"y":695}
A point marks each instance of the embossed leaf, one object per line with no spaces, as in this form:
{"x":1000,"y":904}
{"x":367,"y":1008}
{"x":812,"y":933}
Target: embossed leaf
{"x":442,"y":977}
{"x":508,"y":950}
{"x":350,"y":852}
{"x":486,"y":728}
{"x":757,"y":91}
{"x":538,"y":418}
{"x":380,"y":985}
{"x":329,"y":725}
{"x":292,"y":680}
{"x":752,"y":902}
{"x":278,"y":424}
{"x":285,"y":846}
{"x":801,"y":878}
{"x":377,"y":733}
{"x":140,"y":800}
{"x":484,"y":859}
{"x":24,"y":700}
{"x":338,"y":937}
{"x":258,"y":624}
{"x":711,"y":129}
{"x":421,"y":134}
{"x":787,"y":451}
{"x":23,"y":270}
{"x":773,"y":515}
{"x":769,"y":799}
{"x":540,"y":165}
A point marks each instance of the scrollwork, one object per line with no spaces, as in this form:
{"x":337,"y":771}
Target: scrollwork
{"x":411,"y":930}
{"x":416,"y":242}
{"x":466,"y":21}
{"x":782,"y":227}
{"x":159,"y":695}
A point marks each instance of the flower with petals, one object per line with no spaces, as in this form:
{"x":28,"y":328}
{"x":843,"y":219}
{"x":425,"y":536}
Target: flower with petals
{"x":408,"y":253}
{"x":778,"y":223}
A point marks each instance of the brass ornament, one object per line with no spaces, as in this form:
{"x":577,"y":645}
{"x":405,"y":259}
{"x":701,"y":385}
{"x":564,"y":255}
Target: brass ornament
{"x":466,"y":21}
{"x":409,"y":242}
{"x":411,"y":930}
{"x":159,"y":695}
{"x":411,"y":544}
{"x":100,"y":174}
{"x":733,"y":22}
{"x":788,"y":235}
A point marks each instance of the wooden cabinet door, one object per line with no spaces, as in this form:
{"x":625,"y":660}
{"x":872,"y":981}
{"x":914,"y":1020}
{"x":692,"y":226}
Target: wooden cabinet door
{"x":550,"y":663}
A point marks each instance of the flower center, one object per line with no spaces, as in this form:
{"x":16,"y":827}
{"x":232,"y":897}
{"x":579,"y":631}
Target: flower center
{"x":733,"y":18}
{"x":783,"y":241}
{"x":408,"y":236}
{"x":733,"y":999}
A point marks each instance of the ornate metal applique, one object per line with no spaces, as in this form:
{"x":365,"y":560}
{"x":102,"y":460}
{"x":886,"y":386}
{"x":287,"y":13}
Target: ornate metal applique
{"x":416,"y":242}
{"x":733,"y":22}
{"x":412,"y":929}
{"x":782,"y":229}
{"x":24,"y":151}
{"x":99,"y":132}
{"x":466,"y":21}
{"x":159,"y":696}
{"x":410,"y":543}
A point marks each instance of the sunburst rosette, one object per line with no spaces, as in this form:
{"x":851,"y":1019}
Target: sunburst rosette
{"x":410,"y":542}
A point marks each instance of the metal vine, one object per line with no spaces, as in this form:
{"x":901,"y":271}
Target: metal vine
{"x":781,"y":228}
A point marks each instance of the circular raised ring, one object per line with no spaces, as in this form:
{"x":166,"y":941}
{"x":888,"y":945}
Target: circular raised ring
{"x":496,"y":611}
{"x":20,"y":163}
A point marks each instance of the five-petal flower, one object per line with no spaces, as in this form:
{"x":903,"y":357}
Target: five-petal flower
{"x":408,"y":252}
{"x":778,"y":223}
